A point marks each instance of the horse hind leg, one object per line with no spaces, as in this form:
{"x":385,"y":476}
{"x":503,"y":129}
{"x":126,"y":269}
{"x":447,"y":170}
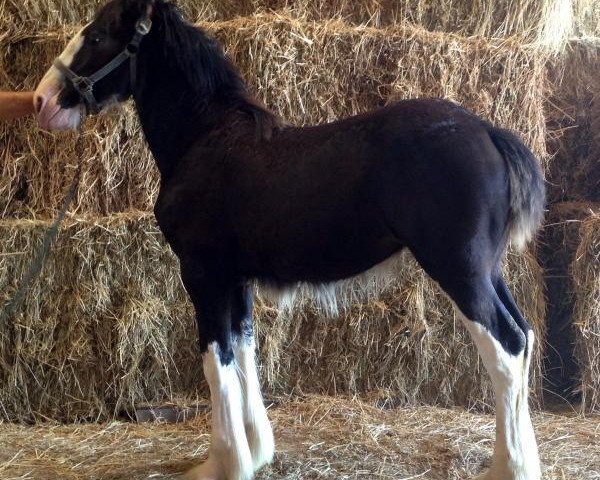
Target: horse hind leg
{"x":505,"y":347}
{"x":506,"y":297}
{"x":256,"y":422}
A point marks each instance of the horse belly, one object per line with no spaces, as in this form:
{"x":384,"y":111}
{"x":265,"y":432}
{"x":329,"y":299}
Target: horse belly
{"x":332,"y":280}
{"x":321,"y":256}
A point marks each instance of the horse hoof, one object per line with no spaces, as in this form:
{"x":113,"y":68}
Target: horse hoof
{"x":262,"y":445}
{"x":519,"y":474}
{"x":206,"y":471}
{"x":212,"y":469}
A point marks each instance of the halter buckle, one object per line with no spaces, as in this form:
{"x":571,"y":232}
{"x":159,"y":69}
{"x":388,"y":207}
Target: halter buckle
{"x":143,"y":26}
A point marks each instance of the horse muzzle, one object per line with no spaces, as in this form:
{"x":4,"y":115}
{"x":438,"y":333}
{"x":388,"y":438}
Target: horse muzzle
{"x":50,"y":114}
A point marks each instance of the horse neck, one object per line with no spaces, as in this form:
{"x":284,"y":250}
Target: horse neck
{"x":171,"y":118}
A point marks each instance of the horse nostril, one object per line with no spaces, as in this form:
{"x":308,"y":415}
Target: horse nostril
{"x":39,"y":102}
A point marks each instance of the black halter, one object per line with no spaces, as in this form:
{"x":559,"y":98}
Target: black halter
{"x":85,"y":85}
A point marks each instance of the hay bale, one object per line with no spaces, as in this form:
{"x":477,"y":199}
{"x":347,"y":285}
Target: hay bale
{"x":118,"y":172}
{"x":586,"y":317}
{"x":558,"y":242}
{"x":306,"y":72}
{"x":574,"y":124}
{"x":546,"y":23}
{"x":107,"y":326}
{"x":316,"y":72}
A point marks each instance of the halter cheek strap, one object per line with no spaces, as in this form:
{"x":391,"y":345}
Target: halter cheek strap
{"x":85,"y":85}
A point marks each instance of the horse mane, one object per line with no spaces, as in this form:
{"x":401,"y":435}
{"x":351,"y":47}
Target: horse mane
{"x":209,"y":73}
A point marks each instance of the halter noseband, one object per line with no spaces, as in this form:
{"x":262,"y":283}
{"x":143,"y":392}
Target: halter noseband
{"x":85,"y":85}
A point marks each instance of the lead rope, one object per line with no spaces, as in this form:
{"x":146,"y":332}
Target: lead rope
{"x":36,"y":265}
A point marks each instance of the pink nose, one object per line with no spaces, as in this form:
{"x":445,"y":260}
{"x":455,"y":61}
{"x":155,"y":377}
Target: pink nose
{"x":39,"y":102}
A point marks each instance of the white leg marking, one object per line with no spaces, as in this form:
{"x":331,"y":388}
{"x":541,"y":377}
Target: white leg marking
{"x":515,"y":453}
{"x":229,"y":456}
{"x":256,"y":422}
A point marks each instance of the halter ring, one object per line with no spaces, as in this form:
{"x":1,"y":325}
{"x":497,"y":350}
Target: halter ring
{"x":83,"y":84}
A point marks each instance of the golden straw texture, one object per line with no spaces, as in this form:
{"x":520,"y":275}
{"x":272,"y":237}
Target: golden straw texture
{"x":108,"y":326}
{"x":307,"y":72}
{"x":546,"y":23}
{"x":586,"y":317}
{"x":317,"y":437}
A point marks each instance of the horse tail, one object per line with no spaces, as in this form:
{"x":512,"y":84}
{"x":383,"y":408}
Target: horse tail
{"x":527,"y":190}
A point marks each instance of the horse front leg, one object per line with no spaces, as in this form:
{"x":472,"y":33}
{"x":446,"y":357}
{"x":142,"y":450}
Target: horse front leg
{"x":229,"y":455}
{"x":256,"y":422}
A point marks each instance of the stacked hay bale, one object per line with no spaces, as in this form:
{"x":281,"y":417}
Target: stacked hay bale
{"x":558,"y":244}
{"x":407,"y":342}
{"x":108,"y":325}
{"x":105,"y":326}
{"x":574,"y":123}
{"x":546,"y":21}
{"x":586,"y":316}
{"x":574,"y":192}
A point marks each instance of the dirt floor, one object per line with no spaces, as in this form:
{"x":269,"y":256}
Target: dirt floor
{"x":318,"y":437}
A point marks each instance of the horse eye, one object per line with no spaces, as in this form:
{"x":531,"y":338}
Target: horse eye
{"x":96,"y":39}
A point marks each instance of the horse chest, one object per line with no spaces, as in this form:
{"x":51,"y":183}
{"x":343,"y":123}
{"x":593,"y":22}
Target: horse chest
{"x":190,"y":218}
